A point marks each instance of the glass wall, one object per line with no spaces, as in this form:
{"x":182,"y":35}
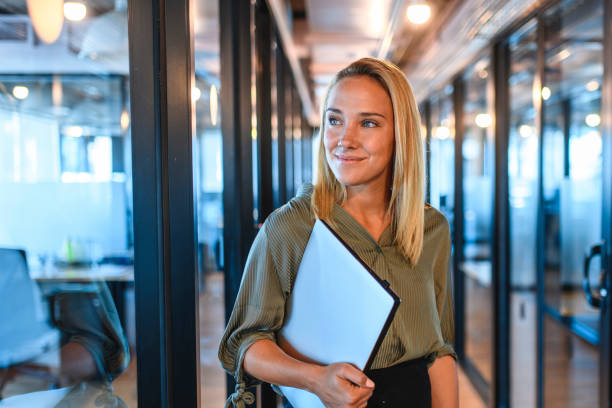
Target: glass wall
{"x":523,"y":199}
{"x":442,"y":153}
{"x":66,"y":240}
{"x":208,"y":193}
{"x":572,"y":182}
{"x":478,"y":173}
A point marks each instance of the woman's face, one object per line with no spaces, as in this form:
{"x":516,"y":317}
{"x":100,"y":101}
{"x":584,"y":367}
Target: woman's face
{"x":359,"y":135}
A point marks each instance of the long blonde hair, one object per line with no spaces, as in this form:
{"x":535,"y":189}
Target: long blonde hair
{"x":406,"y":205}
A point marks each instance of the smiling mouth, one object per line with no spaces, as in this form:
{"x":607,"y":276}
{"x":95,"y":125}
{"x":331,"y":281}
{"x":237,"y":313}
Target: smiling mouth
{"x":348,"y":159}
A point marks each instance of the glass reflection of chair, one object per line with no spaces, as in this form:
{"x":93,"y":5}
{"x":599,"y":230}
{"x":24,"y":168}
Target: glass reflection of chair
{"x":25,"y":333}
{"x":84,"y":321}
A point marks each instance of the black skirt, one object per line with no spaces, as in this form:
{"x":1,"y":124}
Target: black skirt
{"x":405,"y":385}
{"x":402,"y":385}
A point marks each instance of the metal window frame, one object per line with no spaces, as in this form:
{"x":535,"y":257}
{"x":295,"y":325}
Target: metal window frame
{"x":500,"y":387}
{"x":164,"y":207}
{"x":605,"y":375}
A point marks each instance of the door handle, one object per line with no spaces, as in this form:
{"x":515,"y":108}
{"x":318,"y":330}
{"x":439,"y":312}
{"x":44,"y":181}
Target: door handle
{"x":593,"y":298}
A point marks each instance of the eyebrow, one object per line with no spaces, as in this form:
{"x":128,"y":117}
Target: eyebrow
{"x":360,"y":113}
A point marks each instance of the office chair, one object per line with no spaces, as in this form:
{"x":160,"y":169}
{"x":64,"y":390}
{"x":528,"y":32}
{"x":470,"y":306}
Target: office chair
{"x":25,"y":332}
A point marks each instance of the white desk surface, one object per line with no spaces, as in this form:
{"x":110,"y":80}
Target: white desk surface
{"x":106,"y":272}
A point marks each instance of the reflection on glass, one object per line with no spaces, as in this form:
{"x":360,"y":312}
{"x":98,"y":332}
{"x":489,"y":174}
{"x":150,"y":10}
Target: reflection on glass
{"x":66,"y":274}
{"x":478,"y":170}
{"x":572,"y":182}
{"x":442,"y":153}
{"x":523,"y":181}
{"x":208,"y":189}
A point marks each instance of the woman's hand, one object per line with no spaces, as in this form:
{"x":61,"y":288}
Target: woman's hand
{"x":341,"y":385}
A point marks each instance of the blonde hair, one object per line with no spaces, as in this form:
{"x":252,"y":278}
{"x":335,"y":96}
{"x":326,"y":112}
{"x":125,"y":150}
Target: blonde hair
{"x":406,"y":205}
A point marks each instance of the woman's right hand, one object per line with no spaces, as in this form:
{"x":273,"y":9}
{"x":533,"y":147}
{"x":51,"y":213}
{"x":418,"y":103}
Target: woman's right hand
{"x":341,"y":385}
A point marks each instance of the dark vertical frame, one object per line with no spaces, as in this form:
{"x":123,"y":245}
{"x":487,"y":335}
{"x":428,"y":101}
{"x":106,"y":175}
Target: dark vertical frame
{"x":500,"y":388}
{"x":289,"y":162}
{"x":605,"y":367}
{"x":238,"y":233}
{"x":281,"y":113}
{"x":306,"y":151}
{"x":427,"y":124}
{"x":183,"y":342}
{"x":459,"y":281}
{"x":540,"y":256}
{"x":296,"y":120}
{"x":263,"y":85}
{"x":164,"y":209}
{"x":143,"y":31}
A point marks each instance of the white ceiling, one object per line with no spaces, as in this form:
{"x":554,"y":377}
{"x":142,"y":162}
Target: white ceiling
{"x":338,"y":32}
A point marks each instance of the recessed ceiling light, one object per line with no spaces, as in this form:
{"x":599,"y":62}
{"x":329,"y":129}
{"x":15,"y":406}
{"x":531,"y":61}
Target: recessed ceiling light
{"x":75,"y":10}
{"x":21,"y":92}
{"x":418,"y":13}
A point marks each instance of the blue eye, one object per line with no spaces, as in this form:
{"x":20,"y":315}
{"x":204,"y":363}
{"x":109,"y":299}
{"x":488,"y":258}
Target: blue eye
{"x":333,"y":121}
{"x":369,"y":123}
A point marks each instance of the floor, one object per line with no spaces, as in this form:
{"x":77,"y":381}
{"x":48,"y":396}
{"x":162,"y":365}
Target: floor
{"x":571,"y":364}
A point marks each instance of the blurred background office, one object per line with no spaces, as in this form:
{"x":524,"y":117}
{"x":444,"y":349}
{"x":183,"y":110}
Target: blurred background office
{"x":143,"y":144}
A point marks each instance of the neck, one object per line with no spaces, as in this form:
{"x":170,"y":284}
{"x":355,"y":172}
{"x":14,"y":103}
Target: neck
{"x":368,"y":205}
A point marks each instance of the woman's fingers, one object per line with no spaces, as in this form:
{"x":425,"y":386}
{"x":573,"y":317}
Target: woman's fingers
{"x":355,"y":376}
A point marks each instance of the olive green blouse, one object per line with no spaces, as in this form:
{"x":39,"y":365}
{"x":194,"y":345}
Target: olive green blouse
{"x":423,"y":324}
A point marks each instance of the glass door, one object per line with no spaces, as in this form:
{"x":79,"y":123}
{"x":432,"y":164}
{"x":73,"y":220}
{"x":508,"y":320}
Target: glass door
{"x":572,"y":203}
{"x":523,"y":153}
{"x":478,"y":173}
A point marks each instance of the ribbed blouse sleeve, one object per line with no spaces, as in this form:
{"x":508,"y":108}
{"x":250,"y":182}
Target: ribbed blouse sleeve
{"x":444,"y":296}
{"x":258,"y":313}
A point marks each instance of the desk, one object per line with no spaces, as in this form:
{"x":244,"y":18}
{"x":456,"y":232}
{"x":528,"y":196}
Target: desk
{"x":117,"y":277}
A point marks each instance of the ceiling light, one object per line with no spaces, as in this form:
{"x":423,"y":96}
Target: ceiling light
{"x":546,"y":93}
{"x":483,"y":120}
{"x":124,"y":120}
{"x":73,"y":131}
{"x":21,"y":92}
{"x":75,"y":10}
{"x":47,"y":18}
{"x":592,"y":120}
{"x":213,"y":105}
{"x":418,"y":13}
{"x":441,"y":132}
{"x":195,"y":93}
{"x":526,"y":131}
{"x":592,"y":85}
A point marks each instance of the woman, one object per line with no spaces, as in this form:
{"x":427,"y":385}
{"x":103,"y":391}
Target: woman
{"x":370,"y":189}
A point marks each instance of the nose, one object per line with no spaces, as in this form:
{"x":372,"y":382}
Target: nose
{"x":347,"y":137}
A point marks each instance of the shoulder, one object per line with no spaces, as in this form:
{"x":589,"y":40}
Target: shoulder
{"x":288,"y":228}
{"x":287,"y":232}
{"x":294,"y":217}
{"x":435,"y":224}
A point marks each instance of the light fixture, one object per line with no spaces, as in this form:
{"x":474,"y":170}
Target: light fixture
{"x":418,"y":12}
{"x":526,"y":131}
{"x":441,"y":132}
{"x":195,"y":93}
{"x":73,"y":131}
{"x":213,"y":105}
{"x":124,"y":120}
{"x":21,"y":92}
{"x":47,"y":18}
{"x":546,"y":93}
{"x":483,"y":120}
{"x":75,"y":10}
{"x":592,"y":120}
{"x":592,"y":85}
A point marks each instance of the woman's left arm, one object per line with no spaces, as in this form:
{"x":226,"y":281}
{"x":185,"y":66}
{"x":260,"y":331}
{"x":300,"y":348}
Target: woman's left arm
{"x":444,"y":387}
{"x":443,"y":371}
